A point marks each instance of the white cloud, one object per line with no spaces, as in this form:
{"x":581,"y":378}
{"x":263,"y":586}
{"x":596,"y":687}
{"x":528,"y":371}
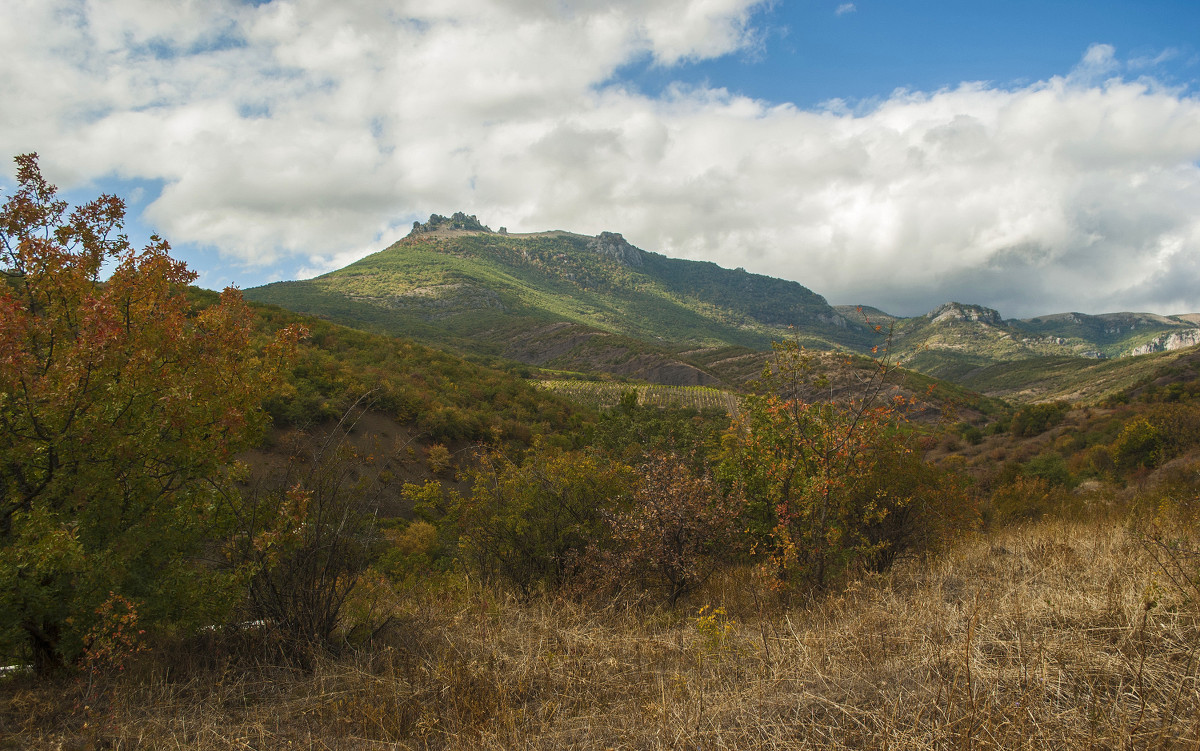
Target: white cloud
{"x":307,"y":133}
{"x":845,"y":8}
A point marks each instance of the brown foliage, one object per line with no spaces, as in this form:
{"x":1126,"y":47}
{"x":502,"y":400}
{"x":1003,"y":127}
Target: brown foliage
{"x":678,"y":528}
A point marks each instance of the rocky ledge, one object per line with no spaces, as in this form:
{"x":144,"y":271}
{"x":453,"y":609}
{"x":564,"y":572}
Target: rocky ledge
{"x":1167,"y":342}
{"x":954,"y":311}
{"x":613,"y":245}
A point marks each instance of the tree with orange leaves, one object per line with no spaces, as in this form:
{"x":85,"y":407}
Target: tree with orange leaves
{"x":807,"y":451}
{"x":120,"y":407}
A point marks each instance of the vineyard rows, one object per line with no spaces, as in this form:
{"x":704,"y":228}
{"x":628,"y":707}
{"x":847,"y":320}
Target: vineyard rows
{"x":606,"y":394}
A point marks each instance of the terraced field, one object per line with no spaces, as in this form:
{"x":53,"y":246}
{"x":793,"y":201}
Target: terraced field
{"x":607,"y":394}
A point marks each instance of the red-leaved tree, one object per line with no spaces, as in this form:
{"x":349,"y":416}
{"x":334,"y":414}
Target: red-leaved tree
{"x":120,"y":404}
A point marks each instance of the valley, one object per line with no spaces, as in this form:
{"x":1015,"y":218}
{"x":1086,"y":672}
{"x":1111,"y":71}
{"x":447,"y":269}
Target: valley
{"x":552,"y":491}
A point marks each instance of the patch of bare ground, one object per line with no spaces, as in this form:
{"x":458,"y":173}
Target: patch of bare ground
{"x":1055,"y":635}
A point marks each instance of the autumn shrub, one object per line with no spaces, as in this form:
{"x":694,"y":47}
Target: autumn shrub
{"x":1026,"y":498}
{"x":817,"y":475}
{"x":922,"y":508}
{"x":409,"y":552}
{"x":1164,"y":523}
{"x":677,"y":528}
{"x":1178,"y":426}
{"x":449,"y":423}
{"x":437,"y":459}
{"x":1094,"y":461}
{"x":1139,"y":446}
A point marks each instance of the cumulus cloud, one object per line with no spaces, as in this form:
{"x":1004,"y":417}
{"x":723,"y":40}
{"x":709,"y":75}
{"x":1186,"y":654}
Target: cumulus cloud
{"x":307,"y":133}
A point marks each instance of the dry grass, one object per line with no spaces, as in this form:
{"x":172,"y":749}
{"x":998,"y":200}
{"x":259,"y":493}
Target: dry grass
{"x":1049,"y":636}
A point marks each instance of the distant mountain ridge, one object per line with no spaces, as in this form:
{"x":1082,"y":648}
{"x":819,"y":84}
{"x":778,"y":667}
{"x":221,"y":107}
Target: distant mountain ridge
{"x":567,"y":301}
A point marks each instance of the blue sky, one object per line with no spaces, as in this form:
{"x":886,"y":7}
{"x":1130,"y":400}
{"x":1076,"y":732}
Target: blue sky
{"x":1033,"y":157}
{"x":811,"y":53}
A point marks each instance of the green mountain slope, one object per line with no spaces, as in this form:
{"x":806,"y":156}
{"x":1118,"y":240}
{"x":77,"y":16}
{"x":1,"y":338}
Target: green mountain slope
{"x":971,"y":344}
{"x":569,"y":302}
{"x":1114,"y":334}
{"x":562,"y":300}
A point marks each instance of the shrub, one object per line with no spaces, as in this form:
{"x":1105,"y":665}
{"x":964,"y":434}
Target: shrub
{"x":1026,"y":498}
{"x":309,"y":535}
{"x":437,"y":459}
{"x":411,"y":551}
{"x":530,"y":523}
{"x":923,"y":508}
{"x":677,"y":529}
{"x":1036,"y":419}
{"x":823,"y":494}
{"x":1139,"y":446}
{"x":1050,"y":467}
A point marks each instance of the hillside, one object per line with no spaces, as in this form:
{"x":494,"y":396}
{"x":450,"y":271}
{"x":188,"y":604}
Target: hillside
{"x":568,"y":302}
{"x":970,"y":343}
{"x":407,"y":403}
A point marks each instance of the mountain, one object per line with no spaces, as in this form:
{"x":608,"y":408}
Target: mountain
{"x":568,"y":301}
{"x":960,"y":342}
{"x":565,"y":301}
{"x":1117,"y":334}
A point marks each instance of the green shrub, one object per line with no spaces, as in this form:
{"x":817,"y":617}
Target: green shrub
{"x":1050,"y":467}
{"x":1139,"y":446}
{"x":1037,"y":418}
{"x":530,"y":523}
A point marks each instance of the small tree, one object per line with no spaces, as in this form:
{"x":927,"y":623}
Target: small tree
{"x":804,"y":463}
{"x":531,"y":523}
{"x":119,"y":407}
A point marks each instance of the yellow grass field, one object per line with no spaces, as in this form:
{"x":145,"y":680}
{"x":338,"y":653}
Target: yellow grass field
{"x":1059,"y":635}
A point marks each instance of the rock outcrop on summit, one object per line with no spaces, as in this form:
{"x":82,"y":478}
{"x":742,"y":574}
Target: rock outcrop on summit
{"x":458,"y":220}
{"x":614,"y":245}
{"x":954,"y":311}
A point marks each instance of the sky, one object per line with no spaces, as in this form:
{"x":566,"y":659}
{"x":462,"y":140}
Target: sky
{"x":1032,"y":157}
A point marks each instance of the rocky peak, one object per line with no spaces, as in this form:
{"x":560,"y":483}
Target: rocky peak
{"x":458,"y":220}
{"x":615,"y":246}
{"x":953,"y":311}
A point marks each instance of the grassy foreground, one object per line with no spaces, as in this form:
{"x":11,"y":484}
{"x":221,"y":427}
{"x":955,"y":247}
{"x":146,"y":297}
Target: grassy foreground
{"x":1054,"y":635}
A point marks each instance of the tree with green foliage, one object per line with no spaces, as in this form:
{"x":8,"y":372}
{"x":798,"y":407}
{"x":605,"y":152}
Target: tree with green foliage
{"x":530,"y":523}
{"x":811,"y":468}
{"x":120,"y":405}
